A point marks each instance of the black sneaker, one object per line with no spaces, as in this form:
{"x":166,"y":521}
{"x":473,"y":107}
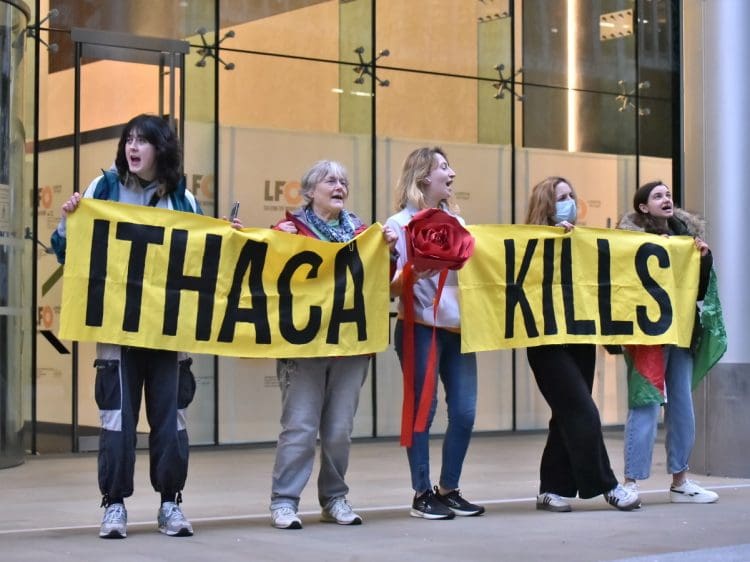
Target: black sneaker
{"x":428,"y":506}
{"x":457,"y":504}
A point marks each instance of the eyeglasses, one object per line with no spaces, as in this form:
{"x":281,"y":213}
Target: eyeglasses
{"x":333,"y":182}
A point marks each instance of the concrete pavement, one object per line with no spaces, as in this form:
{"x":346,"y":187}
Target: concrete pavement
{"x":49,"y":511}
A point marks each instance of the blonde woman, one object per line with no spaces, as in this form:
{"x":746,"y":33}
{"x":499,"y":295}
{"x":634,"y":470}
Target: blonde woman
{"x":426,"y":181}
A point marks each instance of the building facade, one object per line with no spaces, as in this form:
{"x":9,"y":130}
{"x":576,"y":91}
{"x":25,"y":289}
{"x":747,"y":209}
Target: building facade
{"x":513,"y":90}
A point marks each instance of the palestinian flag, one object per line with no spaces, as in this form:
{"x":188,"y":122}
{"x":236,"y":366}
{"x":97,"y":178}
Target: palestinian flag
{"x":646,"y":365}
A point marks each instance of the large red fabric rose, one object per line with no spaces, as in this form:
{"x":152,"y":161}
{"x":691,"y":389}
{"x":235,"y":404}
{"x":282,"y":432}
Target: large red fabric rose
{"x":434,"y":240}
{"x":437,"y":240}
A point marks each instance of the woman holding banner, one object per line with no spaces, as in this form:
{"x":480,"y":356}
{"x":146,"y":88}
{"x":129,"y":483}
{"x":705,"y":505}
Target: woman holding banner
{"x":319,"y":395}
{"x":147,"y":171}
{"x":429,"y":298}
{"x":575,"y":460}
{"x":655,"y":212}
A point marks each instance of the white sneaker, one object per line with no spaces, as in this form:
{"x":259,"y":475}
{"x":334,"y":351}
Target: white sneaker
{"x":114,"y":522}
{"x":339,"y":511}
{"x":690,"y":492}
{"x":552,"y":502}
{"x":623,"y":499}
{"x":632,"y":487}
{"x":285,"y":517}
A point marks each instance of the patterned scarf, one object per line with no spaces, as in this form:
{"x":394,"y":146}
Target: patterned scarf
{"x":341,"y":233}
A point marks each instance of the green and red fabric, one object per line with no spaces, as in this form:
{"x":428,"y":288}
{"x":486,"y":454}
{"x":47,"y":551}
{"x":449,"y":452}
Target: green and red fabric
{"x":646,"y":365}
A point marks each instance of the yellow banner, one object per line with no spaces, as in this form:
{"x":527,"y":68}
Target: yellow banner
{"x":153,"y":278}
{"x":533,"y":285}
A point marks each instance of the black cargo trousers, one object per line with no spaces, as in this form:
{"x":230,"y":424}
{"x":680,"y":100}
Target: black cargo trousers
{"x":168,"y":385}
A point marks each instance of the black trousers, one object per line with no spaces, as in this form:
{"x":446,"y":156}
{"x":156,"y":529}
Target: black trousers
{"x":575,"y":460}
{"x":168,"y":385}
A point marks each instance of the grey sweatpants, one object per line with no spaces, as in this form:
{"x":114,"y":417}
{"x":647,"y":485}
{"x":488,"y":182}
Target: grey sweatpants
{"x":317,"y":395}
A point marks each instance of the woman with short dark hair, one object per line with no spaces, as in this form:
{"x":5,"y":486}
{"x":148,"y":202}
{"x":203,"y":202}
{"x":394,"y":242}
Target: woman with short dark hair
{"x":148,"y":171}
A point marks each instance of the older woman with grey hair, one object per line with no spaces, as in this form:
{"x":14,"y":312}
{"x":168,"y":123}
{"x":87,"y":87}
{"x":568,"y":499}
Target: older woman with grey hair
{"x":319,"y":395}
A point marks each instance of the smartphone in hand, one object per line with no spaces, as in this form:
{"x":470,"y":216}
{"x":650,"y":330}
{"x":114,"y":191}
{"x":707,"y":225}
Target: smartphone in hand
{"x":234,"y":211}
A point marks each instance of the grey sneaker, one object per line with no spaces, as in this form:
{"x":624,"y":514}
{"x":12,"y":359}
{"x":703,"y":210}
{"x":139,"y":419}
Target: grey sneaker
{"x":172,"y":521}
{"x":285,"y":517}
{"x":552,"y":502}
{"x":622,"y":498}
{"x":114,"y":522}
{"x":340,"y":511}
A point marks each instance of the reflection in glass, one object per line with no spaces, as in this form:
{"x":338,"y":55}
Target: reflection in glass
{"x":14,"y":348}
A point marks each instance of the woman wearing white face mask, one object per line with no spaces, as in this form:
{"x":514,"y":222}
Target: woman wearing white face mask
{"x":575,"y":460}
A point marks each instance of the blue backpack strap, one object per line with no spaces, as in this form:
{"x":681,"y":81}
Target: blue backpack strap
{"x":180,"y":201}
{"x":108,"y":187}
{"x":59,"y":245}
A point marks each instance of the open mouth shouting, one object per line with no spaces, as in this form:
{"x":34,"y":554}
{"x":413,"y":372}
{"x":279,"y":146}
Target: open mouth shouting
{"x":141,"y":156}
{"x":659,"y":202}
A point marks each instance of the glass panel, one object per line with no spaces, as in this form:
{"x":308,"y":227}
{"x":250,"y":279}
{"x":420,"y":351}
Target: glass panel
{"x":545,"y":33}
{"x":578,"y":43}
{"x":273,"y":95}
{"x":14,"y":257}
{"x":302,"y":28}
{"x":659,"y":133}
{"x":150,"y":18}
{"x":53,"y":362}
{"x":437,"y":36}
{"x":497,"y":93}
{"x":579,"y":75}
{"x":54,"y":386}
{"x":199,"y":165}
{"x":578,"y":121}
{"x":590,"y":114}
{"x":426,"y":106}
{"x":98,"y":110}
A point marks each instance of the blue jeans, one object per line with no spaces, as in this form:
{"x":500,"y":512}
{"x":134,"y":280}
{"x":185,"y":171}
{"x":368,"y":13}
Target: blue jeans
{"x":679,"y":420}
{"x":458,"y":372}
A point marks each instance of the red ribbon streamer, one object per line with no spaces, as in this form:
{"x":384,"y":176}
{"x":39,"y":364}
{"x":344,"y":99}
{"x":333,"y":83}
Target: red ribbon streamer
{"x":409,"y":422}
